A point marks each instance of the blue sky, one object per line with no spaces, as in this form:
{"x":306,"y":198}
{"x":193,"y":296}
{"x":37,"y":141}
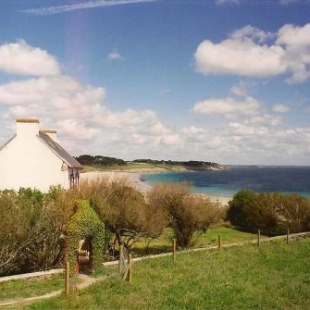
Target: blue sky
{"x":215,"y":80}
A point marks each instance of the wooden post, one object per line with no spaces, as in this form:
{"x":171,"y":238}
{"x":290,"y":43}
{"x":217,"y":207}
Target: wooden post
{"x":130,"y":268}
{"x":287,"y":236}
{"x":219,"y":242}
{"x":173,"y":249}
{"x":67,"y":278}
{"x":121,"y":257}
{"x":258,"y":238}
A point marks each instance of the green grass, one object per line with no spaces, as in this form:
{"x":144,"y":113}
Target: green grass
{"x":210,"y":238}
{"x":31,"y":287}
{"x":275,"y":276}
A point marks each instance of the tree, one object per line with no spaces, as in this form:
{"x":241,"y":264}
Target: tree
{"x":123,"y":210}
{"x":14,"y":231}
{"x":272,"y":213}
{"x":184,"y":213}
{"x":46,"y":249}
{"x":32,"y":223}
{"x":294,"y":212}
{"x":236,"y":213}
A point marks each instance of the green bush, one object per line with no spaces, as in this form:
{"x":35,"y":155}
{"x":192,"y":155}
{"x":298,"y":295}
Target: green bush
{"x":271,"y":213}
{"x":184,"y":213}
{"x":32,"y":225}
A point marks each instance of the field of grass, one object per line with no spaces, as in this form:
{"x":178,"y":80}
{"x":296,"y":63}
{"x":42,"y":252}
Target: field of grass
{"x":164,"y":243}
{"x":274,"y":276}
{"x":31,"y":287}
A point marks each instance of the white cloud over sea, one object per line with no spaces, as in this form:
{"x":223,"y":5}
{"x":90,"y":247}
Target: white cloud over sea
{"x":88,"y":125}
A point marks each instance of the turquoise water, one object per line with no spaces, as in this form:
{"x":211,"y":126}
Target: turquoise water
{"x":226,"y":183}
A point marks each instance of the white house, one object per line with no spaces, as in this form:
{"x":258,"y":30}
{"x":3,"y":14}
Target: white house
{"x":33,"y":158}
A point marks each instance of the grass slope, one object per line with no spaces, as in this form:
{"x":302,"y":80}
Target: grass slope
{"x":275,"y":276}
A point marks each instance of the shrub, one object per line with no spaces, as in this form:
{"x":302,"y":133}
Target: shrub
{"x":236,"y":213}
{"x":272,"y":213}
{"x":123,"y":210}
{"x":32,"y":226}
{"x":184,"y":213}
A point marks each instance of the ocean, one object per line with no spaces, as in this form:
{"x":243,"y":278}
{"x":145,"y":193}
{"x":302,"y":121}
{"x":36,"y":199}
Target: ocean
{"x":225,"y":183}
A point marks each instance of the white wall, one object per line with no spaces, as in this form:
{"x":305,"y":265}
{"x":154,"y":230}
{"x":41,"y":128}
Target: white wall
{"x":27,"y":162}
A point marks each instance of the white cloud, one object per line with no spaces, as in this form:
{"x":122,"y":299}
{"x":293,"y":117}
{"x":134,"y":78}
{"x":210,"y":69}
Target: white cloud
{"x":115,"y":56}
{"x":228,"y":107}
{"x":240,"y":57}
{"x":280,"y":108}
{"x":296,"y":41}
{"x":219,"y":2}
{"x":253,"y":33}
{"x":78,"y":112}
{"x":246,"y":53}
{"x":240,"y":89}
{"x":287,"y":2}
{"x":86,"y":125}
{"x":22,"y":59}
{"x":81,"y":6}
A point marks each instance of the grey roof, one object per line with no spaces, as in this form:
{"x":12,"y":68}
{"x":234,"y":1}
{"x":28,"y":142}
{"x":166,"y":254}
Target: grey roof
{"x":59,"y":151}
{"x":7,"y":142}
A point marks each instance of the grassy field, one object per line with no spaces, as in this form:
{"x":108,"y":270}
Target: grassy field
{"x":210,"y":238}
{"x":274,"y":276}
{"x":30,"y":287}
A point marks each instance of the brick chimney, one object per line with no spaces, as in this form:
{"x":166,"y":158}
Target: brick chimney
{"x":27,"y":127}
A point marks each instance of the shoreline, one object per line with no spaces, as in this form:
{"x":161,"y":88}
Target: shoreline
{"x":133,"y":177}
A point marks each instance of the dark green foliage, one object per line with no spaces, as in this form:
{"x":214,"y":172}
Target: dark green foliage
{"x":271,"y":213}
{"x":237,"y":208}
{"x":99,"y":160}
{"x":85,"y":224}
{"x":33,"y":223}
{"x":31,"y":229}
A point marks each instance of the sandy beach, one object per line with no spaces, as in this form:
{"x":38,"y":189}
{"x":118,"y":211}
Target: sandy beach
{"x":134,"y":180}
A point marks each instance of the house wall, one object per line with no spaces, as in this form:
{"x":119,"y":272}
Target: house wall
{"x":27,"y":162}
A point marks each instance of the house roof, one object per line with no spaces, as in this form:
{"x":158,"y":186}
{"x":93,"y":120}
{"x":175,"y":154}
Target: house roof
{"x":59,"y":151}
{"x":7,"y":142}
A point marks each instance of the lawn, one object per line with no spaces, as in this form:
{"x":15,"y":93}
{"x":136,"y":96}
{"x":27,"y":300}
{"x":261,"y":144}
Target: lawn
{"x":31,"y":287}
{"x":274,"y":276}
{"x":210,"y":238}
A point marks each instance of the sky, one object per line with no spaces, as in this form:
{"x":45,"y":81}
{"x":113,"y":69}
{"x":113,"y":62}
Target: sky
{"x":225,"y":81}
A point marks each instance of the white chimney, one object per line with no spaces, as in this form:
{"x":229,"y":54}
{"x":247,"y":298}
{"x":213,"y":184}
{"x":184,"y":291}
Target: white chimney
{"x":51,"y":133}
{"x":27,"y":127}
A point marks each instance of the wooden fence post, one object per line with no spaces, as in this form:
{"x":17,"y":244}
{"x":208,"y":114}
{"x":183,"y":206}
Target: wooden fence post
{"x":287,"y":236}
{"x":67,"y":278}
{"x":121,"y":258}
{"x":130,"y":268}
{"x":219,"y":241}
{"x":258,"y":238}
{"x":174,"y":249}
